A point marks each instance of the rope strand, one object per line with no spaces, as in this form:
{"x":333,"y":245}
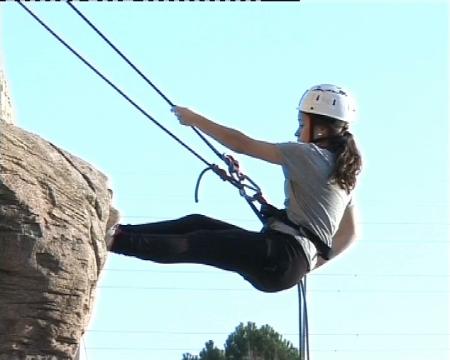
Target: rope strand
{"x":120,"y":53}
{"x":236,"y":183}
{"x":139,"y":72}
{"x":114,"y":86}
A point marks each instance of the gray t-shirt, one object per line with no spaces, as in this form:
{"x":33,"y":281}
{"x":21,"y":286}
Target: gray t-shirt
{"x":310,"y":197}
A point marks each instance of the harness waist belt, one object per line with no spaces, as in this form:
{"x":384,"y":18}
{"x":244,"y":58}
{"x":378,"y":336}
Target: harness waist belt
{"x":323,"y":249}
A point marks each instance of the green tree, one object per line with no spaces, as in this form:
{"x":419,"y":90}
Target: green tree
{"x":188,"y":356}
{"x":209,"y":352}
{"x":248,"y":342}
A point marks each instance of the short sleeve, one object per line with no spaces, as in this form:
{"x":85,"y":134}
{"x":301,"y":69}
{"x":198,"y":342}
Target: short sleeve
{"x":296,"y":156}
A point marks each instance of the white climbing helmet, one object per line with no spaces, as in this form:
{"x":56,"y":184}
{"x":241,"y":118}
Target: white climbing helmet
{"x":329,"y":100}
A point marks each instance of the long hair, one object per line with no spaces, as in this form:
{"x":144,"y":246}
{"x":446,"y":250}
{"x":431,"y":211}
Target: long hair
{"x":341,"y":142}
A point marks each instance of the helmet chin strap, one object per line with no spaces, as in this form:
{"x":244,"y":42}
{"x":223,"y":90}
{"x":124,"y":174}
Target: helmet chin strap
{"x":312,"y":136}
{"x":311,"y":132}
{"x":322,"y":135}
{"x":319,"y":137}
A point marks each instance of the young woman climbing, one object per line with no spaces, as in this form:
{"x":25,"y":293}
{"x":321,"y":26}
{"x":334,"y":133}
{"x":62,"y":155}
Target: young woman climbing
{"x":318,"y":221}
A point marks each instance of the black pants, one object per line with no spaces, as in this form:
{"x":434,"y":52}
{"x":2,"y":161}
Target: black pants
{"x":271,"y":261}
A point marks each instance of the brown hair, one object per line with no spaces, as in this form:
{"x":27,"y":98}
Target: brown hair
{"x":341,"y":142}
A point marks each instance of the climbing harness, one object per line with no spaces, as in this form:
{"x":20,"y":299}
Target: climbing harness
{"x":233,"y":174}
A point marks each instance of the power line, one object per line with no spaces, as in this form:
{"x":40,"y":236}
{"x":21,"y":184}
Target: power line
{"x":164,"y":176}
{"x":209,"y":272}
{"x":381,"y":350}
{"x":366,"y":350}
{"x":430,"y":223}
{"x":284,"y":334}
{"x":339,"y":291}
{"x":140,"y":349}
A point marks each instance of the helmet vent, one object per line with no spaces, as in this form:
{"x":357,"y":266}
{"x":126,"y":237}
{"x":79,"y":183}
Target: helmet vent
{"x":318,"y":97}
{"x":334,"y":102}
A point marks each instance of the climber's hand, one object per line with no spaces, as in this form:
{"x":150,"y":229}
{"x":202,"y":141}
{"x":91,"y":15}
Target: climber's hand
{"x":184,"y":115}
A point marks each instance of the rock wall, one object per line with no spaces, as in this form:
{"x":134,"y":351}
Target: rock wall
{"x":54,"y":209}
{"x":6,"y":107}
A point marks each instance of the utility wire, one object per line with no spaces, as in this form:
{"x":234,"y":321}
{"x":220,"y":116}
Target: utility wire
{"x":427,"y":223}
{"x":338,"y":291}
{"x":283,"y":334}
{"x":209,"y":272}
{"x":366,"y":350}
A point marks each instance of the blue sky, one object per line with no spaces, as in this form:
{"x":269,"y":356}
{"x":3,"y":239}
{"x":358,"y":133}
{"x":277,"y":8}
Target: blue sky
{"x":246,"y":65}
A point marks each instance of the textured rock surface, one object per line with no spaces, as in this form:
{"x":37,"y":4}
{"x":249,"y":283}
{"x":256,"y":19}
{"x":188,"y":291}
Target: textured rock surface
{"x":54,"y":209}
{"x":6,"y":106}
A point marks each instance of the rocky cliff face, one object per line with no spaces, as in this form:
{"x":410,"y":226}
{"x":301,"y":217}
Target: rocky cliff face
{"x":6,"y":106}
{"x":54,"y":209}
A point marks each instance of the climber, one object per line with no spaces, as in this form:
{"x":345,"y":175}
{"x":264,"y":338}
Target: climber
{"x":318,"y":221}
